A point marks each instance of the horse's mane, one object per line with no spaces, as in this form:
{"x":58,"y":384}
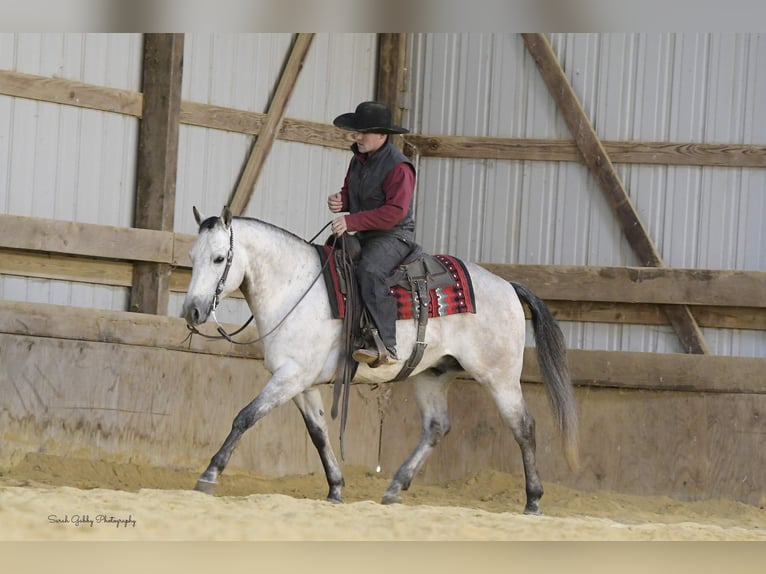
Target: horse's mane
{"x":208,"y":224}
{"x":211,"y":222}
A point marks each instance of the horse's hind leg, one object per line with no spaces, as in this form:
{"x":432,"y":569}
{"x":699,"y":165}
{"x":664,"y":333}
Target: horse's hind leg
{"x":512,"y":408}
{"x":310,"y":404}
{"x":431,"y":395}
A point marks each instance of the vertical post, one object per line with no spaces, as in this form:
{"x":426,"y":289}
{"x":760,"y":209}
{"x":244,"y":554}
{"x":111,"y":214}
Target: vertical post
{"x":391,"y":71}
{"x":157,"y":162}
{"x":390,"y":77}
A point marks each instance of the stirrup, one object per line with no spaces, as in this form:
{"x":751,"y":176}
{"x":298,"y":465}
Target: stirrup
{"x":374,"y":357}
{"x":367,"y":356}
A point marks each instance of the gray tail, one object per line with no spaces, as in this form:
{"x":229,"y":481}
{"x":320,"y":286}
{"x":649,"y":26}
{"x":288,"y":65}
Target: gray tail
{"x":551,"y":356}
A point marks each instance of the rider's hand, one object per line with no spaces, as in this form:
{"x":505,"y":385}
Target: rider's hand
{"x":339,"y":225}
{"x":335,"y":202}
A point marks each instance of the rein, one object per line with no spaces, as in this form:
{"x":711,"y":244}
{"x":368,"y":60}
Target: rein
{"x":345,"y":371}
{"x":221,"y":284}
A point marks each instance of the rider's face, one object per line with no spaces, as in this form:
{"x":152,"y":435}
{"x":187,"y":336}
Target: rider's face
{"x":369,"y":142}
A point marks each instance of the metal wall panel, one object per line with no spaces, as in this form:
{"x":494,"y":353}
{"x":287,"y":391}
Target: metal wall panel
{"x":78,"y":165}
{"x":649,"y":87}
{"x":68,"y":163}
{"x":241,"y":71}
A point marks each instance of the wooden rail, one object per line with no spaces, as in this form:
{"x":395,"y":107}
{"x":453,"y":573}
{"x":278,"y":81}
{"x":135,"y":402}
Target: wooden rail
{"x":85,"y":239}
{"x":104,"y":255}
{"x":118,"y":327}
{"x":615,"y":369}
{"x":635,"y":152}
{"x":640,"y":284}
{"x":73,"y":93}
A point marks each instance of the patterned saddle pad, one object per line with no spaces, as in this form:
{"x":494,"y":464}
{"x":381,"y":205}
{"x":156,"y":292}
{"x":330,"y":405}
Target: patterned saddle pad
{"x":449,"y":300}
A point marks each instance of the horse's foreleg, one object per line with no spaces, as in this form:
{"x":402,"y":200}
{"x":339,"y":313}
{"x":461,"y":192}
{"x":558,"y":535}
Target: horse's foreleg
{"x":208,"y":479}
{"x":243,"y":421}
{"x":310,"y":404}
{"x":431,"y":395}
{"x":277,"y":391}
{"x":522,"y":424}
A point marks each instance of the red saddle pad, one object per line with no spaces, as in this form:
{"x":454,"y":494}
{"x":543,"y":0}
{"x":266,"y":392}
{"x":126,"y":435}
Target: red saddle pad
{"x":457,"y":298}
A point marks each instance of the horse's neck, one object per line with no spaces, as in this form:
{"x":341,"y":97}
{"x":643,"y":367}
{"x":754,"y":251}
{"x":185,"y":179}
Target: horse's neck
{"x":278,"y":266}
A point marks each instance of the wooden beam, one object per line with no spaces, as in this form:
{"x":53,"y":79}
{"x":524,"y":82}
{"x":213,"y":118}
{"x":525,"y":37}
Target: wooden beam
{"x":157,"y":162}
{"x":182,"y":244}
{"x":727,"y":314}
{"x":70,"y":93}
{"x":597,"y":160}
{"x":251,"y":123}
{"x":390,"y":79}
{"x":750,"y":318}
{"x":120,"y":274}
{"x":272,"y":123}
{"x":22,"y":237}
{"x":631,"y":152}
{"x":119,"y":327}
{"x":85,"y":239}
{"x":717,"y":317}
{"x":658,"y":371}
{"x":25,"y":238}
{"x":89,"y":96}
{"x":660,"y":285}
{"x":592,"y":150}
{"x":616,"y":369}
{"x":66,"y":268}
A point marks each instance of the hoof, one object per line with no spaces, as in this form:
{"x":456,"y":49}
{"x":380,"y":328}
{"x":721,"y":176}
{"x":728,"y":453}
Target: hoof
{"x":205,"y":486}
{"x":335,"y":494}
{"x":391,"y":499}
{"x":533,"y":510}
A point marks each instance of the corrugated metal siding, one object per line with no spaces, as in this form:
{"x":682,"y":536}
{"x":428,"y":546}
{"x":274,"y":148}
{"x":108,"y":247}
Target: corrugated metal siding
{"x":68,"y":163}
{"x":241,"y":71}
{"x":74,"y":164}
{"x":650,"y":87}
{"x":79,"y":165}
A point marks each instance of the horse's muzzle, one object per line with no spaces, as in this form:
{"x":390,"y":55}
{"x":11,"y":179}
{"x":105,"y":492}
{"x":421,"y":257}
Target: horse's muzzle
{"x":195,"y":313}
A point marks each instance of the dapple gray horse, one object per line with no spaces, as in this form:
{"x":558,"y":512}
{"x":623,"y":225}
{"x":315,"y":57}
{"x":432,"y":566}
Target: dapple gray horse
{"x":277,"y":273}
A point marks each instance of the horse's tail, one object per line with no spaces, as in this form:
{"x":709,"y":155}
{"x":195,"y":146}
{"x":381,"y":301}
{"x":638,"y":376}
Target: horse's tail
{"x":551,"y":356}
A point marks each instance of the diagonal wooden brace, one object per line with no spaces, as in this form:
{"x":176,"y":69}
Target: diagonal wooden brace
{"x":597,"y":160}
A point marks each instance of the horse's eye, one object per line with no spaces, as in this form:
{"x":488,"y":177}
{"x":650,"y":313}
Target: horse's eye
{"x":218,"y":260}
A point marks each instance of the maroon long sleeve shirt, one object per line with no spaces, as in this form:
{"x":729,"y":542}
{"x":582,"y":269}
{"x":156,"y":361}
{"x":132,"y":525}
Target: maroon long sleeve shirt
{"x":398,"y":188}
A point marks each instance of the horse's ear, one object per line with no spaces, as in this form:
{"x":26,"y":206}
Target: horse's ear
{"x":226,"y":216}
{"x":197,"y":216}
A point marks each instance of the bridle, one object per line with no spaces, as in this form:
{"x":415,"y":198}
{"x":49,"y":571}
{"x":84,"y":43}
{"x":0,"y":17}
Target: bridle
{"x":222,"y":283}
{"x":345,"y":373}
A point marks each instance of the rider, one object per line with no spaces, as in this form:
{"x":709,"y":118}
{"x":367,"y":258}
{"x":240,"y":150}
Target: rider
{"x":378,"y":194}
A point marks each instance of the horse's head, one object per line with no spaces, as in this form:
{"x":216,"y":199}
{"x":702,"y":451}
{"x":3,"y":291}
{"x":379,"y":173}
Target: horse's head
{"x":215,"y":272}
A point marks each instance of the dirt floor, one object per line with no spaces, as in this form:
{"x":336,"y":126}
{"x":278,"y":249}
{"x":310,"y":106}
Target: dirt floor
{"x":54,"y":498}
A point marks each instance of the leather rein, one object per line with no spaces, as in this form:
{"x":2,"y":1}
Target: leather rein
{"x":222,"y":283}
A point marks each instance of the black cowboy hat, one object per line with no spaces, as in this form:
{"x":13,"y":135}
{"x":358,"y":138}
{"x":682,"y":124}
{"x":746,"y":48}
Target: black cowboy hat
{"x":371,"y":117}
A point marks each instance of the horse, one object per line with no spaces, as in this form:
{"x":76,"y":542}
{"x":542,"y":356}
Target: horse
{"x":277,"y":273}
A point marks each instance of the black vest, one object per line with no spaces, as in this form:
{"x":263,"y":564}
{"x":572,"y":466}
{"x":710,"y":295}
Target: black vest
{"x":365,"y":187}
